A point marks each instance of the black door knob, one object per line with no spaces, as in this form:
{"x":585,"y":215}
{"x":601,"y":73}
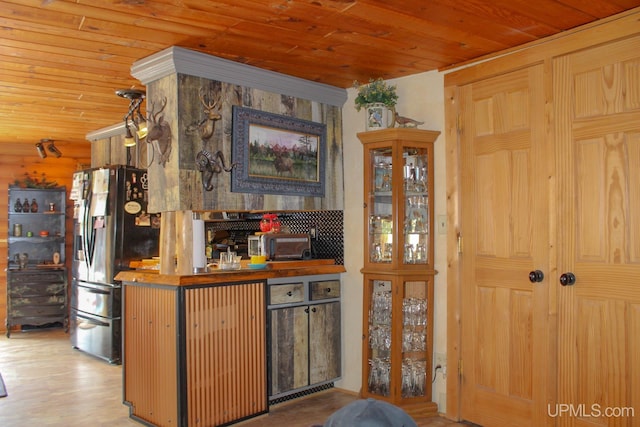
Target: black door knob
{"x":567,"y":279}
{"x":536,"y":276}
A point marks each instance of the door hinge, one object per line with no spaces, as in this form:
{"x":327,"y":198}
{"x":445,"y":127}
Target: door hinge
{"x":459,"y":123}
{"x":460,"y":368}
{"x":459,"y":243}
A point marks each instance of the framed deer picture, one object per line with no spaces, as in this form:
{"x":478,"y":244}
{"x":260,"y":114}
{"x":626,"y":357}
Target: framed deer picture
{"x":276,"y":154}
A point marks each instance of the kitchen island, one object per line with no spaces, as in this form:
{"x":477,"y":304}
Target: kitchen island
{"x":195,"y":346}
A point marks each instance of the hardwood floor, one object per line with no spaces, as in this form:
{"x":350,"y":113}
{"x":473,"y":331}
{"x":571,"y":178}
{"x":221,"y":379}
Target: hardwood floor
{"x":51,"y":384}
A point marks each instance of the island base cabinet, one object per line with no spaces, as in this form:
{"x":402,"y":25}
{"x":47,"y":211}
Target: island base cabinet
{"x":150,"y":354}
{"x":195,"y":356}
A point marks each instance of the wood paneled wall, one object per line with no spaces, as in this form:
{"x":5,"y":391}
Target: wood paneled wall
{"x":20,"y":159}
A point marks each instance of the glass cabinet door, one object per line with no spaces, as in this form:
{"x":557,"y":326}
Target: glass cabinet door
{"x":401,"y":190}
{"x":380,"y":338}
{"x":416,"y":205}
{"x":410,"y":331}
{"x":381,"y":206}
{"x":415,"y":362}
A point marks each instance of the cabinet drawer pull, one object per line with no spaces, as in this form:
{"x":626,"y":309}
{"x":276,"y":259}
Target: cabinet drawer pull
{"x":289,"y":293}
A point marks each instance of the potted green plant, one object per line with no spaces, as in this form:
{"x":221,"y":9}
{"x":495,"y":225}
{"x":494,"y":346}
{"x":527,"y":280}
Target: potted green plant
{"x":379,"y":100}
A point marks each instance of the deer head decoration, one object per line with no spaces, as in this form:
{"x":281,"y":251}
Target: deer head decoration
{"x":212,"y":105}
{"x":159,"y":134}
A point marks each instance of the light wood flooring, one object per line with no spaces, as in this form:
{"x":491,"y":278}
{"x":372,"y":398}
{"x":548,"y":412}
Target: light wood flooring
{"x":51,"y":384}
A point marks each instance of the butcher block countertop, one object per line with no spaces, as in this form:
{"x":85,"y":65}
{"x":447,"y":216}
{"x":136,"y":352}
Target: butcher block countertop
{"x":273,"y":269}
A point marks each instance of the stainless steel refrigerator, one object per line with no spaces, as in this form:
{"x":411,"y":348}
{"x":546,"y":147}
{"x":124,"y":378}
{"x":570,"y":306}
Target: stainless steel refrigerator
{"x":112,"y":227}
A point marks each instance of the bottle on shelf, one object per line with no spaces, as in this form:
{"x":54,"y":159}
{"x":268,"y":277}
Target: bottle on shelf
{"x":25,"y":206}
{"x":17,"y":207}
{"x":34,"y":206}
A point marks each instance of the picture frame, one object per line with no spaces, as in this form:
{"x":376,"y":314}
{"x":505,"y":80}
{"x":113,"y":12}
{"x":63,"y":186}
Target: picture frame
{"x":276,"y":154}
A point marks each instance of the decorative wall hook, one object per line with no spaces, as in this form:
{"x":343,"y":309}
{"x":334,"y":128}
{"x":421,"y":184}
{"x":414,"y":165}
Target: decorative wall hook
{"x":211,"y":164}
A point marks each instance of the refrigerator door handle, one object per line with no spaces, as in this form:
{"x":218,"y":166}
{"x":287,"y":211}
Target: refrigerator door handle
{"x":89,"y":232}
{"x":91,"y":321}
{"x":97,"y":291}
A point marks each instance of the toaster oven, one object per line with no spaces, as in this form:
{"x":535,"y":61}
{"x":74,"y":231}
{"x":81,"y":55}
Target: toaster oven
{"x":280,"y":246}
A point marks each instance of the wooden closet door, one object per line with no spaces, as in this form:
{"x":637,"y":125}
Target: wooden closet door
{"x":597,"y":98}
{"x":506,"y":163}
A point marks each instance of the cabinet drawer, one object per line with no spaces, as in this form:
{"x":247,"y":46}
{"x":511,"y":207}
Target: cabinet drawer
{"x":35,"y":277}
{"x":35,"y":290}
{"x":325,"y":289}
{"x":39,"y":300}
{"x":286,"y":293}
{"x":38,"y":311}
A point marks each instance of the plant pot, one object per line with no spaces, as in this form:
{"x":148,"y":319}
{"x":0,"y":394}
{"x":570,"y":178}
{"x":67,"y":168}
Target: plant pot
{"x":379,"y":116}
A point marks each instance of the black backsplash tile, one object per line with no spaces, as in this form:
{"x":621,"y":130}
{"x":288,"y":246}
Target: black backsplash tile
{"x":329,"y":226}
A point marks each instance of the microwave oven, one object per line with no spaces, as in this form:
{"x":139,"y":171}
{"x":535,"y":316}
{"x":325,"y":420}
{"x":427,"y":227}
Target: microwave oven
{"x":280,"y":246}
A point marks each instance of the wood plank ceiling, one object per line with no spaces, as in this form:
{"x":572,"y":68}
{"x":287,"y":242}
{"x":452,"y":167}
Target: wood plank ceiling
{"x":61,"y":61}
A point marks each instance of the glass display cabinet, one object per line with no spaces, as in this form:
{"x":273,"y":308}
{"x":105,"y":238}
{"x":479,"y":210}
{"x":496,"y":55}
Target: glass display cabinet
{"x":398,"y":268}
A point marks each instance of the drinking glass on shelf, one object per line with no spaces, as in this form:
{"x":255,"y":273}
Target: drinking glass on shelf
{"x":378,"y":380}
{"x":376,"y":253}
{"x":388,"y":248}
{"x":409,"y":256}
{"x":381,"y":308}
{"x":421,"y":254}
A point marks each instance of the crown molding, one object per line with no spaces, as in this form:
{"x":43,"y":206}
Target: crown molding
{"x":106,"y":132}
{"x":177,"y":60}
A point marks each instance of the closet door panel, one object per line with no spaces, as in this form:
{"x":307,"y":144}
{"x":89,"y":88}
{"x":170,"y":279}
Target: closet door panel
{"x":596,"y":96}
{"x":507,"y":353}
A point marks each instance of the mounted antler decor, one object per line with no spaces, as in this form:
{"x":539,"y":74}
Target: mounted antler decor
{"x":209,"y":164}
{"x":159,"y":132}
{"x":211,"y":106}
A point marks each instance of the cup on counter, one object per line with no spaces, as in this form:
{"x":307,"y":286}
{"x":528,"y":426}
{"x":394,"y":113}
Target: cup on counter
{"x":229,"y":261}
{"x":258,"y":259}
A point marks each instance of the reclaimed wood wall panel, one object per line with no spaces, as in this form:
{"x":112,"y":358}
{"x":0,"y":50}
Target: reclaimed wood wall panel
{"x":150,"y":351}
{"x":178,"y":184}
{"x":164,"y":179}
{"x":225,"y":353}
{"x":111,"y":151}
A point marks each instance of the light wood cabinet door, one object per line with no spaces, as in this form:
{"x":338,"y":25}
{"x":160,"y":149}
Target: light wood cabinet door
{"x":506,"y":319}
{"x":597,"y":99}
